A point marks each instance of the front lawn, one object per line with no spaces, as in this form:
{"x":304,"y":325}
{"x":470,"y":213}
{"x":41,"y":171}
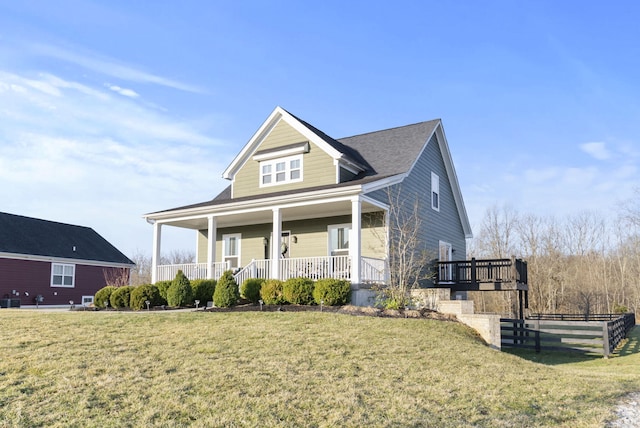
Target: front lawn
{"x":285,"y":369}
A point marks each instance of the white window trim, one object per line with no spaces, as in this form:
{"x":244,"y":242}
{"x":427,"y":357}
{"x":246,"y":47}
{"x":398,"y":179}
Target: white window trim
{"x":73,"y":276}
{"x":87,"y":300}
{"x":272,"y":162}
{"x":435,"y":189}
{"x":335,"y":227}
{"x":238,"y":237}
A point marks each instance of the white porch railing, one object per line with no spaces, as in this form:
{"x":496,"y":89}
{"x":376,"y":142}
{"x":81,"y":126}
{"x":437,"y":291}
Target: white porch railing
{"x":256,"y":269}
{"x":191,"y":270}
{"x":338,"y":267}
{"x":373,"y":271}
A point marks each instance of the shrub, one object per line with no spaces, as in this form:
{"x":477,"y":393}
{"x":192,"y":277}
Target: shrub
{"x":334,"y":292}
{"x":250,"y":289}
{"x":620,"y":309}
{"x":121,"y":297}
{"x":271,"y":292}
{"x":163,"y":286}
{"x":103,"y":295}
{"x":203,"y":290}
{"x":226,"y":293}
{"x":180,"y":292}
{"x":141,"y":294}
{"x":298,"y":291}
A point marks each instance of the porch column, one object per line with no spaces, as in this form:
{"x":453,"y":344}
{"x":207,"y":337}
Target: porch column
{"x":212,"y":231}
{"x":355,"y":243}
{"x":155,"y":255}
{"x":275,"y":243}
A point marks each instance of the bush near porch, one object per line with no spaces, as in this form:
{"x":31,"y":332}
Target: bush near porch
{"x":297,"y":291}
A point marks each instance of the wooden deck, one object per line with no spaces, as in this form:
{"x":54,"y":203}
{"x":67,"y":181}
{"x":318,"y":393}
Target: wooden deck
{"x":483,"y":275}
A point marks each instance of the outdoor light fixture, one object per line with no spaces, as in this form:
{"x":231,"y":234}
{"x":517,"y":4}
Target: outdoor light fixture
{"x":71,"y":304}
{"x":295,"y":239}
{"x":261,"y":302}
{"x":148,"y":303}
{"x":265,"y":241}
{"x":197,"y":303}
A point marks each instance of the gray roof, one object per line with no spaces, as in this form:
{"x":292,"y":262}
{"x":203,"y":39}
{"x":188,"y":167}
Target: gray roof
{"x":391,"y":151}
{"x":32,"y":236}
{"x":381,"y":154}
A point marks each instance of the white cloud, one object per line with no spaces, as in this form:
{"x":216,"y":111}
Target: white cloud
{"x":122,"y":91}
{"x":597,"y":150}
{"x":109,"y":67}
{"x":80,"y":154}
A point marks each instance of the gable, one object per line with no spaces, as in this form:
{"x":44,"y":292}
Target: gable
{"x":284,"y":143}
{"x":373,"y":161}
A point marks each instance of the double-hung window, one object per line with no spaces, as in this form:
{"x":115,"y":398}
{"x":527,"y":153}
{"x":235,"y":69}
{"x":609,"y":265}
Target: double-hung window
{"x":231,"y":249}
{"x":281,"y":171}
{"x":339,"y":239}
{"x":435,"y":192}
{"x":63,"y":275}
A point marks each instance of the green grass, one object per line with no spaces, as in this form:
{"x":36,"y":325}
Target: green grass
{"x":288,"y":369}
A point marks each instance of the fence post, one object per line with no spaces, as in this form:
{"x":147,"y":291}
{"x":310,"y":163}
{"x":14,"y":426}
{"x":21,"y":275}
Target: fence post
{"x":605,"y":338}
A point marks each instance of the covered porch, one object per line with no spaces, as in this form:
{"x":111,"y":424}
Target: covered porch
{"x":338,"y":234}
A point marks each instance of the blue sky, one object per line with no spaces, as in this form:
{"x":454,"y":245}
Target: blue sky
{"x":113,"y":109}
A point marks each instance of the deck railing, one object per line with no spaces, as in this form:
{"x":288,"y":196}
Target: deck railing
{"x":482,"y":271}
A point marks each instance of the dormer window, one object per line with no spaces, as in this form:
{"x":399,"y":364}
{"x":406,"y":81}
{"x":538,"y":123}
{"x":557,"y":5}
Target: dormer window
{"x":281,"y":171}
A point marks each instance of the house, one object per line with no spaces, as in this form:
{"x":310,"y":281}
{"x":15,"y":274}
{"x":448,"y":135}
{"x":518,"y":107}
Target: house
{"x":50,"y":263}
{"x":328,"y":202}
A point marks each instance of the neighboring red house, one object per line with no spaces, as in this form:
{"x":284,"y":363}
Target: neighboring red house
{"x":57,"y":262}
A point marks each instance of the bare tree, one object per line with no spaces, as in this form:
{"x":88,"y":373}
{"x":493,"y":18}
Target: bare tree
{"x":141,"y":273}
{"x":497,"y":233}
{"x":116,"y":277}
{"x":408,"y":257}
{"x":177,"y":257}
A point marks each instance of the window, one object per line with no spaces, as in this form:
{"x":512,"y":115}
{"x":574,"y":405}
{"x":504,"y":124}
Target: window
{"x":444,"y":255}
{"x":87,"y":300}
{"x":281,"y":171}
{"x":63,"y":275}
{"x":231,"y":249}
{"x":339,"y":239}
{"x":435,"y":192}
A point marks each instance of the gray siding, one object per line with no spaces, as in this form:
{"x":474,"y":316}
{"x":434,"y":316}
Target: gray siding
{"x":443,"y":225}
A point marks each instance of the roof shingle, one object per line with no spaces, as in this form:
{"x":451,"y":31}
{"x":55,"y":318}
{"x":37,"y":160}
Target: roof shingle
{"x":32,"y":236}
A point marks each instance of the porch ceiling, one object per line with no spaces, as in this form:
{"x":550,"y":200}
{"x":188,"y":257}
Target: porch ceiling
{"x":265,"y":215}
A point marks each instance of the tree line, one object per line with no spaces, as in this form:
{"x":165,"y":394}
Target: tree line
{"x":580,"y":264}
